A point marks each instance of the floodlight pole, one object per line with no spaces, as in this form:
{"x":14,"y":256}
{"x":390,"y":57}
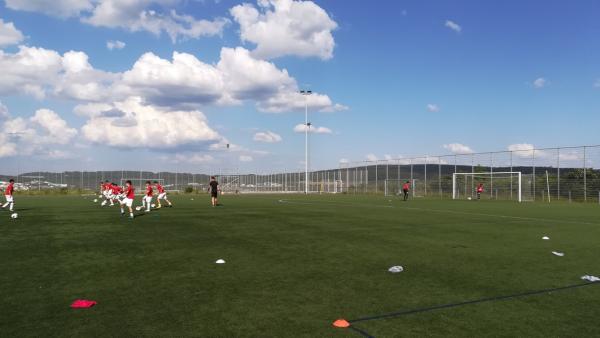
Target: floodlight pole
{"x":306,"y":93}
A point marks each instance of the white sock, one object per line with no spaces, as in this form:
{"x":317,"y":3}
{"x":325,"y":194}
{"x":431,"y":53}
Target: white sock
{"x":131,"y":214}
{"x":11,"y":206}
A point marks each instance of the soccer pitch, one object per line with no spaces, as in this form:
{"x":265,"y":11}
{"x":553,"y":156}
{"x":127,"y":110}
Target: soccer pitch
{"x":294,"y":264}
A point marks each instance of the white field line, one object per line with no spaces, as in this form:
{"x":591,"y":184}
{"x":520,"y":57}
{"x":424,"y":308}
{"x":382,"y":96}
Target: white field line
{"x":443,"y":211}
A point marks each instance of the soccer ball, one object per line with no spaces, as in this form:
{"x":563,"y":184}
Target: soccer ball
{"x":15,"y":215}
{"x":153,"y":205}
{"x":469,"y":198}
{"x":95,"y":200}
{"x":138,"y":208}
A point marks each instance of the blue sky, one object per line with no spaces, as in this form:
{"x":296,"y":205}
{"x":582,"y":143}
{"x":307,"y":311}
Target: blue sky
{"x":393,"y":78}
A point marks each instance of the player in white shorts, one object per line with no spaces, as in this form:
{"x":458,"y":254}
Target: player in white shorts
{"x":128,"y":200}
{"x":149,"y":195}
{"x":162,"y":195}
{"x":8,"y":194}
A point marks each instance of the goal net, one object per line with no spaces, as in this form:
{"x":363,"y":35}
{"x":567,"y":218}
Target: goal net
{"x":393,"y":187}
{"x":495,"y":185}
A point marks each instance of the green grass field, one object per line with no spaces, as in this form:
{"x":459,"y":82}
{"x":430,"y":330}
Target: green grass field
{"x":294,"y":267}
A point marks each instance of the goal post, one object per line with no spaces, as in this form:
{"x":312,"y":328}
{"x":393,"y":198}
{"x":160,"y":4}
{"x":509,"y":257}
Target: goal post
{"x":506,"y":185}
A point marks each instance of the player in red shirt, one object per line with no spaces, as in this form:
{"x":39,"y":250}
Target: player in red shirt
{"x":128,"y":200}
{"x":106,"y":192}
{"x":479,"y":190}
{"x":149,"y":195}
{"x":8,"y":194}
{"x":162,"y":195}
{"x":406,"y":189}
{"x":116,"y":193}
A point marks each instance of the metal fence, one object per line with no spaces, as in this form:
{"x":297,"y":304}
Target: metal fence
{"x":561,"y":174}
{"x":565,"y":173}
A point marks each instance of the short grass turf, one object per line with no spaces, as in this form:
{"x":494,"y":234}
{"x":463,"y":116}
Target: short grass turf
{"x":294,"y":265}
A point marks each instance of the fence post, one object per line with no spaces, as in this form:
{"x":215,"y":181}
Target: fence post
{"x":534,"y":178}
{"x":426,"y":158}
{"x":584,"y":175}
{"x":558,"y":174}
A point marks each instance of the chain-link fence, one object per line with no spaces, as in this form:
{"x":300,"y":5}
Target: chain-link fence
{"x":559,"y":174}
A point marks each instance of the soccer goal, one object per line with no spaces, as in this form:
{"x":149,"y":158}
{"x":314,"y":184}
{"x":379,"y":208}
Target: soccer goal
{"x":511,"y":185}
{"x":140,"y":183}
{"x":393,"y":187}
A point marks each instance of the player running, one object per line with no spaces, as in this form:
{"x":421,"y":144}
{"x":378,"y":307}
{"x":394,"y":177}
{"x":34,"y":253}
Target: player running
{"x":8,"y":194}
{"x":116,"y":193}
{"x":213,"y":188}
{"x":479,"y":190}
{"x":128,"y":200}
{"x":162,"y":195}
{"x":149,"y":195}
{"x":107,"y":192}
{"x":405,"y":190}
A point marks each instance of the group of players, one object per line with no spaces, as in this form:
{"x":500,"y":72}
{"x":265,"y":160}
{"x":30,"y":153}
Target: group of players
{"x":125,"y":196}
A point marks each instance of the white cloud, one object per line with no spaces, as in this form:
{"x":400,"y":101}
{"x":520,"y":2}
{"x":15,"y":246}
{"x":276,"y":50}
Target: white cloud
{"x":3,"y":111}
{"x":36,"y":135}
{"x":148,"y":126}
{"x":301,"y":128}
{"x":246,"y":158}
{"x":184,"y":82}
{"x":522,"y":149}
{"x":267,"y":137}
{"x":286,"y":27}
{"x":457,"y":148}
{"x":56,"y":129}
{"x":540,"y":82}
{"x":371,"y":157}
{"x":59,"y":8}
{"x":434,"y":108}
{"x":9,"y":34}
{"x":597,"y":83}
{"x":31,"y":71}
{"x":453,"y":26}
{"x":154,"y":16}
{"x":194,"y":158}
{"x":387,"y":157}
{"x":115,"y":44}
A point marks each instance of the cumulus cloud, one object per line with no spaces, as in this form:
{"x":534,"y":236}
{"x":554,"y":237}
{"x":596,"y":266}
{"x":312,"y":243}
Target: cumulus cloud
{"x":3,"y":111}
{"x":115,"y":44}
{"x":434,"y":108}
{"x":154,"y":16}
{"x":540,"y":82}
{"x":9,"y":34}
{"x":286,"y":27}
{"x":148,"y":126}
{"x":194,"y":158}
{"x":301,"y":128}
{"x":246,"y":158}
{"x":457,"y":148}
{"x":36,"y":135}
{"x":267,"y":137}
{"x":30,"y":71}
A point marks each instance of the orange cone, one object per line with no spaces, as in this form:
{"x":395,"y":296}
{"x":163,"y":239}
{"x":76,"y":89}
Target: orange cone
{"x":341,"y":323}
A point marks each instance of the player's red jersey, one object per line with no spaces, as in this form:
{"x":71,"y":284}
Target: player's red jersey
{"x":9,"y":189}
{"x":480,"y":188}
{"x":130,"y":192}
{"x":149,"y":191}
{"x":160,"y":188}
{"x":406,"y":186}
{"x":116,"y":189}
{"x":106,"y":186}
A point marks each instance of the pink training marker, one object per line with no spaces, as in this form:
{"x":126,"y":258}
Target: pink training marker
{"x":83,"y":304}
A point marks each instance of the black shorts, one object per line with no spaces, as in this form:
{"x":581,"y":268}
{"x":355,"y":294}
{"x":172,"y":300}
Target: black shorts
{"x":405,"y":191}
{"x":214,"y":194}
